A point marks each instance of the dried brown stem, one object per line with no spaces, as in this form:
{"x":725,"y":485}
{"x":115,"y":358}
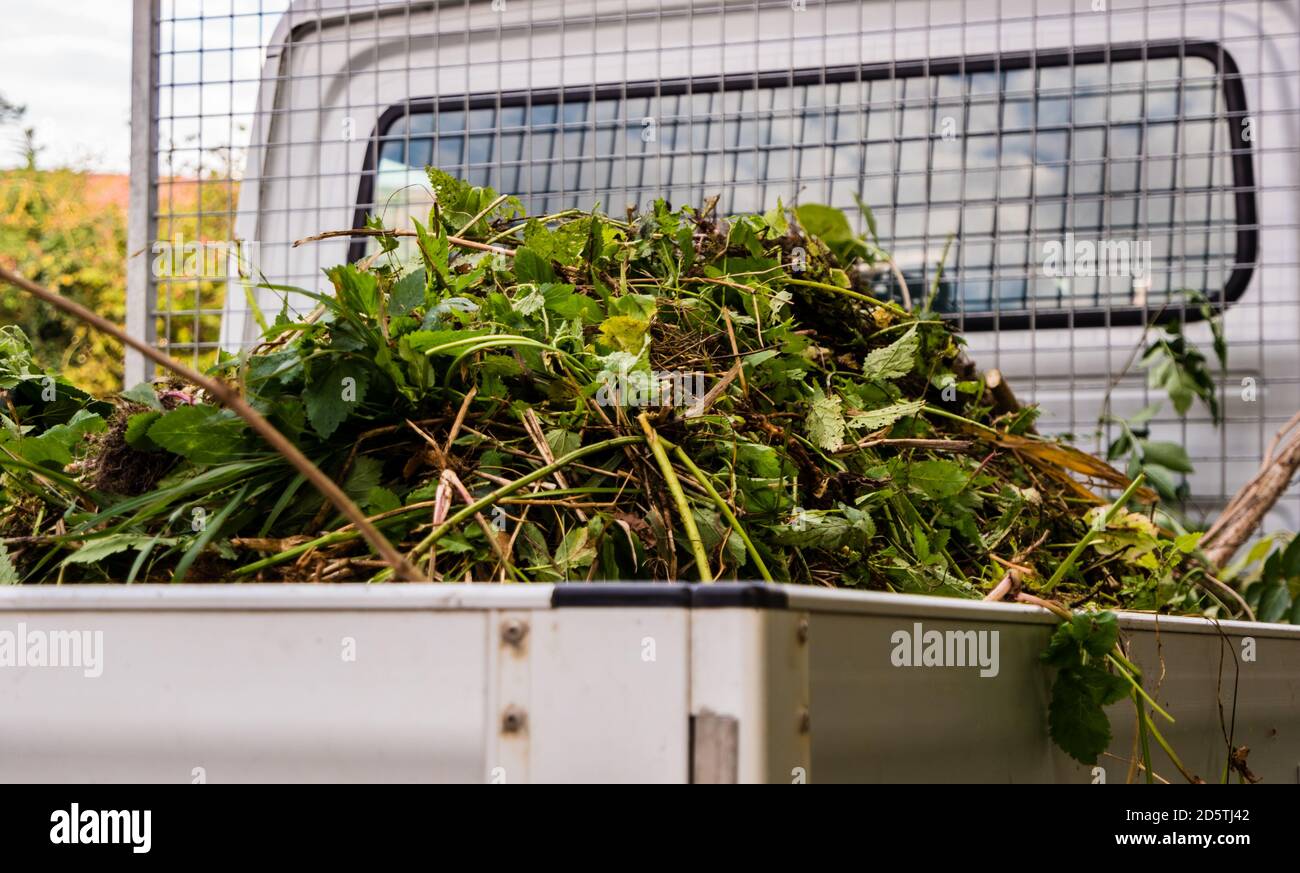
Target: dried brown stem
{"x":367,"y":231}
{"x":1244,"y":513}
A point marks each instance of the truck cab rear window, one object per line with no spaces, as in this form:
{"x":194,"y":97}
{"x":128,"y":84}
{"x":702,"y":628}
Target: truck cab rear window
{"x":1072,"y":188}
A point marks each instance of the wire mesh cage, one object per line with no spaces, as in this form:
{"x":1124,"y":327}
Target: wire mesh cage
{"x":1054,"y":175}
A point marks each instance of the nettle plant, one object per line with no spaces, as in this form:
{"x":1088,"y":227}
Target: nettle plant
{"x":1178,"y":370}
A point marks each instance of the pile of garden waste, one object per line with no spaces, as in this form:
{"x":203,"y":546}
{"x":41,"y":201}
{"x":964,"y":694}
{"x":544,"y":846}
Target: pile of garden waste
{"x":676,"y":395}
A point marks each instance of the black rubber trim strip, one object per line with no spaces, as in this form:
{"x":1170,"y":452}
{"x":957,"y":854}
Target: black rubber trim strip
{"x":752,"y":595}
{"x":1243,"y":168}
{"x":713,"y":595}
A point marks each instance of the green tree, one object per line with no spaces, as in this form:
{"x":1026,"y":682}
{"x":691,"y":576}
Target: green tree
{"x":52,"y":235}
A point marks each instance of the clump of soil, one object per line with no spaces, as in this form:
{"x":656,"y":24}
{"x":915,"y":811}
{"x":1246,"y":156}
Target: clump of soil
{"x":113,"y":466}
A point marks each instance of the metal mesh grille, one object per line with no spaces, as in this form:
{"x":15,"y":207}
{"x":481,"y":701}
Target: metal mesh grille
{"x":1095,"y":151}
{"x":1009,"y":127}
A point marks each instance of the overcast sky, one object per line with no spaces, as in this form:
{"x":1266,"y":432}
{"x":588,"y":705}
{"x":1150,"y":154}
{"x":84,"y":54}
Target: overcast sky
{"x":72,"y":69}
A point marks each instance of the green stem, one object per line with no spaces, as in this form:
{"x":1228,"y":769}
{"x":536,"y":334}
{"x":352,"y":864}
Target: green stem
{"x":725,"y":510}
{"x":679,"y":497}
{"x":329,"y":539}
{"x":1160,"y":740}
{"x":342,"y":536}
{"x":1093,"y":533}
{"x":1144,"y":737}
{"x":506,"y":490}
{"x":943,"y":413}
{"x":866,"y":298}
{"x":1137,"y":687}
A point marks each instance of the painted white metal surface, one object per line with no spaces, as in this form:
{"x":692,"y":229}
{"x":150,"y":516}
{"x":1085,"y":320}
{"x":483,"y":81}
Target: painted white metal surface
{"x":473,"y":683}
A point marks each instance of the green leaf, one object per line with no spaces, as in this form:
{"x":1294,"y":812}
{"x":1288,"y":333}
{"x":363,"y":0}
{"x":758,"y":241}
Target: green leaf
{"x":825,"y":530}
{"x":1063,"y":650}
{"x":423,"y":341}
{"x":531,"y":303}
{"x":407,"y":293}
{"x":97,"y":550}
{"x":641,"y":306}
{"x":826,"y":422}
{"x":358,"y":291}
{"x":894,"y":360}
{"x":1097,"y":632}
{"x":1274,"y":602}
{"x":1092,"y":633}
{"x":562,"y":442}
{"x":566,"y":302}
{"x":869,"y":216}
{"x":333,"y":393}
{"x":885,"y":416}
{"x":625,"y":333}
{"x":144,"y":394}
{"x":715,"y":531}
{"x":1290,"y":561}
{"x":532,"y":267}
{"x":55,"y":446}
{"x":1170,"y":455}
{"x":8,"y":572}
{"x":563,"y":243}
{"x":364,"y":476}
{"x":937,"y":478}
{"x":201,"y":434}
{"x":830,"y":224}
{"x":575,"y":551}
{"x":1105,"y":687}
{"x":1076,"y":720}
{"x":137,"y":431}
{"x":380,"y":499}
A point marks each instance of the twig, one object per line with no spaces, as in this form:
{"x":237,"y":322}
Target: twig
{"x":533,"y":428}
{"x":1003,"y":588}
{"x":937,"y":445}
{"x":232,"y":400}
{"x":1219,"y":586}
{"x":460,"y":418}
{"x":493,"y":535}
{"x":1243,"y":514}
{"x":505,"y":490}
{"x":735,"y":349}
{"x":482,"y":212}
{"x":902,"y":284}
{"x":700,"y":406}
{"x":679,"y":497}
{"x":369,"y":231}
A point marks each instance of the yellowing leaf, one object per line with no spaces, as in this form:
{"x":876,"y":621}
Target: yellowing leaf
{"x":625,"y":332}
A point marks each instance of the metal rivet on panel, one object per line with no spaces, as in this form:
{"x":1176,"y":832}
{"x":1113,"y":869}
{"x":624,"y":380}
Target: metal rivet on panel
{"x":514,"y":720}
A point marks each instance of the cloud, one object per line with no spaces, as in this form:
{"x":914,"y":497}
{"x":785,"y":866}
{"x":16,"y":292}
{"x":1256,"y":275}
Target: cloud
{"x":73,"y":72}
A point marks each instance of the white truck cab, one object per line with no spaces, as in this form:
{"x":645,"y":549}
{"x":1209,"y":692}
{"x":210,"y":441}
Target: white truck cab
{"x":1090,"y":162}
